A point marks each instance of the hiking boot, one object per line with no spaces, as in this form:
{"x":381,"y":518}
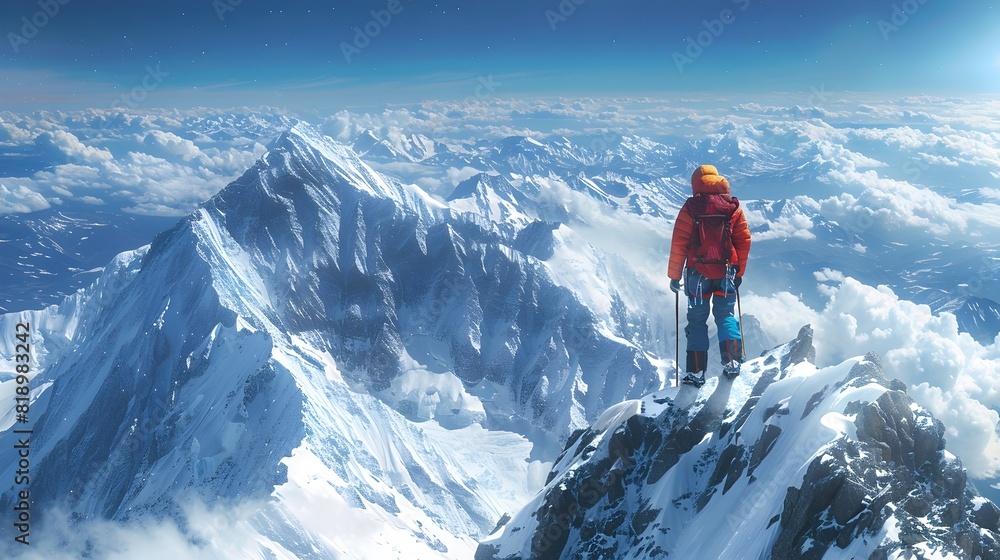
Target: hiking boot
{"x":731,"y":350}
{"x":731,"y":369}
{"x":697,"y":361}
{"x":696,"y":379}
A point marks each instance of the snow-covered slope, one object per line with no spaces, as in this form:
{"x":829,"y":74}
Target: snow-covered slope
{"x":318,"y":338}
{"x":787,"y":461}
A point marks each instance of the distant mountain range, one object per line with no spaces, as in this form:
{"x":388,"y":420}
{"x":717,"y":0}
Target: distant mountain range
{"x":487,"y":361}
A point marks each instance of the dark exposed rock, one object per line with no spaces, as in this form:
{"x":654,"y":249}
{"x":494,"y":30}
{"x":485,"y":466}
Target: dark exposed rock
{"x":487,"y":552}
{"x":763,"y":446}
{"x":987,"y":516}
{"x":503,"y":521}
{"x":800,"y":350}
{"x":897,"y":459}
{"x":680,"y":441}
{"x":917,"y":506}
{"x":779,"y":409}
{"x":536,"y":239}
{"x":814,"y":401}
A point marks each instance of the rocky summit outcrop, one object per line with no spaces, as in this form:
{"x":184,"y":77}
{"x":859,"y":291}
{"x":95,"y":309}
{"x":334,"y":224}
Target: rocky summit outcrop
{"x":788,"y":461}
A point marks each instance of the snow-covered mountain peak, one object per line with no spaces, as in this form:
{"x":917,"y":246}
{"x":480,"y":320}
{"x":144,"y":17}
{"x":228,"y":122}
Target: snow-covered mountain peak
{"x":316,"y":321}
{"x":304,"y":152}
{"x":396,"y":147}
{"x":493,"y":197}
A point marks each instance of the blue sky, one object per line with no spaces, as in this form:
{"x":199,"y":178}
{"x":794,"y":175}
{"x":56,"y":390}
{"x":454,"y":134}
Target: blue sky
{"x":183,"y":53}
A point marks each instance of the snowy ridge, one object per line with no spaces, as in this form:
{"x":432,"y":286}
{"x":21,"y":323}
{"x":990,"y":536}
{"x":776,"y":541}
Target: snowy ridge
{"x":493,"y":198}
{"x":412,"y":147}
{"x":55,"y":327}
{"x":314,"y":153}
{"x":788,"y":461}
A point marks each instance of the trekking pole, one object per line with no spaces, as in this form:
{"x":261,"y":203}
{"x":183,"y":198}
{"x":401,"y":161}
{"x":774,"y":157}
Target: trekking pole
{"x":677,"y":339}
{"x":739,"y":310}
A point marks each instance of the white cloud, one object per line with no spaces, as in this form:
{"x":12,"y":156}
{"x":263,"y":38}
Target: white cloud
{"x":91,"y":200}
{"x":781,"y":315}
{"x":990,"y":193}
{"x":898,"y":206}
{"x":947,"y":372}
{"x":76,"y":150}
{"x":215,"y":532}
{"x":157,"y":162}
{"x":456,"y":176}
{"x":827,"y":275}
{"x":173,"y":145}
{"x":20,"y":199}
{"x":786,"y":225}
{"x":11,"y":133}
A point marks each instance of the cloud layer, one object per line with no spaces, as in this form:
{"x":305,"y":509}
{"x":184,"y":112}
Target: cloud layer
{"x":948,"y":372}
{"x":161,"y":164}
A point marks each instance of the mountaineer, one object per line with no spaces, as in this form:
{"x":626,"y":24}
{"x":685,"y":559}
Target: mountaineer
{"x":712,"y":238}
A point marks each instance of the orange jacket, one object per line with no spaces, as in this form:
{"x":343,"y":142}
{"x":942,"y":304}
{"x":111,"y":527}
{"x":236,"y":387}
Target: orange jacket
{"x":706,"y":180}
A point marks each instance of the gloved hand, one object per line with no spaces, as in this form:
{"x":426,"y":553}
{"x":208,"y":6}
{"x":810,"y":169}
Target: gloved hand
{"x":675,"y":286}
{"x":737,"y":281}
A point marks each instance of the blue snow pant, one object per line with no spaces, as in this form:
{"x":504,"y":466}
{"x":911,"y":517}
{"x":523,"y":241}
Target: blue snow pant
{"x":719,"y":296}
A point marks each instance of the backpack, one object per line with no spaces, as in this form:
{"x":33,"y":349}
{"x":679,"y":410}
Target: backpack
{"x":711,"y":248}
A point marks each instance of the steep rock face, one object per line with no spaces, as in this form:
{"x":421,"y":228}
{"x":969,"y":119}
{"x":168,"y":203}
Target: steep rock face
{"x":377,"y":271}
{"x":785,"y":462}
